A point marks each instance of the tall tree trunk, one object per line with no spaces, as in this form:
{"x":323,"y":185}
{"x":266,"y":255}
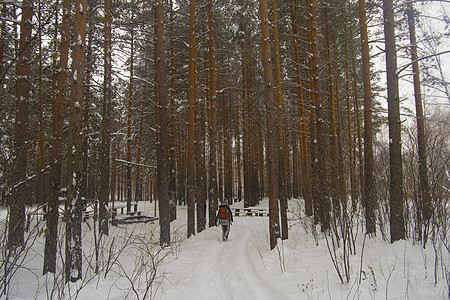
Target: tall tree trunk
{"x":282,"y":146}
{"x":272,"y":128}
{"x":342,"y":181}
{"x":220,"y":138}
{"x":173,"y":134}
{"x":424,"y":191}
{"x":213,"y":192}
{"x":334,"y":162}
{"x":192,"y":85}
{"x":397,"y":223}
{"x":41,"y":174}
{"x":74,"y":204}
{"x":227,"y":147}
{"x":115,"y":182}
{"x":2,"y":40}
{"x":138,"y":187}
{"x":104,"y":189}
{"x":56,"y":149}
{"x":304,"y":151}
{"x":353,"y":191}
{"x":130,"y":107}
{"x":200,"y":175}
{"x":358,"y":129}
{"x":319,"y":151}
{"x":238,"y":154}
{"x":17,"y":200}
{"x":87,"y":95}
{"x":163,"y":156}
{"x":369,"y":197}
{"x":245,"y":124}
{"x":312,"y":120}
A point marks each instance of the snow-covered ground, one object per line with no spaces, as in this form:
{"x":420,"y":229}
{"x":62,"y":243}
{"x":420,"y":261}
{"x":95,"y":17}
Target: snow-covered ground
{"x":204,"y":267}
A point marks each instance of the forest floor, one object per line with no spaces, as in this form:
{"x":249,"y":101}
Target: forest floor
{"x":204,"y":267}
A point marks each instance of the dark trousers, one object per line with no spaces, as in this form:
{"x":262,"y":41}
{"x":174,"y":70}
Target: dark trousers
{"x":225,"y":231}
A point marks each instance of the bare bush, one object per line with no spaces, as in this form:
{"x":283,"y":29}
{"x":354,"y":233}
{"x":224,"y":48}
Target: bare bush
{"x":13,"y":259}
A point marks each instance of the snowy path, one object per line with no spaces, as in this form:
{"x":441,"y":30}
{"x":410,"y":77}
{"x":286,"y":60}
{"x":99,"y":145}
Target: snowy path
{"x":218,"y":270}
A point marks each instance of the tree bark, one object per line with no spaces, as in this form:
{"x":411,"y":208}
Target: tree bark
{"x":191,"y":123}
{"x":319,"y":151}
{"x":74,"y":203}
{"x":271,"y":123}
{"x":104,"y":189}
{"x":361,"y":192}
{"x":163,"y":156}
{"x":369,"y":168}
{"x":353,"y":191}
{"x":17,"y":200}
{"x":56,"y":149}
{"x":200,"y":175}
{"x":173,"y":134}
{"x":41,"y":174}
{"x":302,"y":118}
{"x":424,"y":191}
{"x":130,"y":107}
{"x":397,"y":223}
{"x":213,"y":192}
{"x":2,"y":40}
{"x":334,"y":160}
{"x":282,"y":146}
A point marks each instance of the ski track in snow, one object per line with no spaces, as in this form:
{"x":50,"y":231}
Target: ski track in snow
{"x":217,"y":270}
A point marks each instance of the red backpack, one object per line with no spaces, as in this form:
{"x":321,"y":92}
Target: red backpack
{"x":223,"y":213}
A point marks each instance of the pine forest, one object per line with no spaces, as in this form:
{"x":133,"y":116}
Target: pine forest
{"x":126,"y":124}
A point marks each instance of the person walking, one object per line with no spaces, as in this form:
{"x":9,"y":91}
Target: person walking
{"x":224,"y":218}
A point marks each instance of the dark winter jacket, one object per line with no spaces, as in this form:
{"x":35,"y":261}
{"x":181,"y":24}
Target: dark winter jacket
{"x":228,"y":211}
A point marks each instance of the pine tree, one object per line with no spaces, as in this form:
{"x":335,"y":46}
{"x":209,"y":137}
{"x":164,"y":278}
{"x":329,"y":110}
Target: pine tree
{"x":425,"y":204}
{"x":74,"y":203}
{"x":16,"y":225}
{"x":272,"y":132}
{"x":162,"y":169}
{"x":369,"y":179}
{"x":56,"y":150}
{"x":104,"y":190}
{"x":192,"y":86}
{"x":282,"y":144}
{"x":397,"y":223}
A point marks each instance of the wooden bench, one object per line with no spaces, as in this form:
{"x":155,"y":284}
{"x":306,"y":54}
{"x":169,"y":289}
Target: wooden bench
{"x":134,"y":219}
{"x":251,"y":211}
{"x":122,"y":207}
